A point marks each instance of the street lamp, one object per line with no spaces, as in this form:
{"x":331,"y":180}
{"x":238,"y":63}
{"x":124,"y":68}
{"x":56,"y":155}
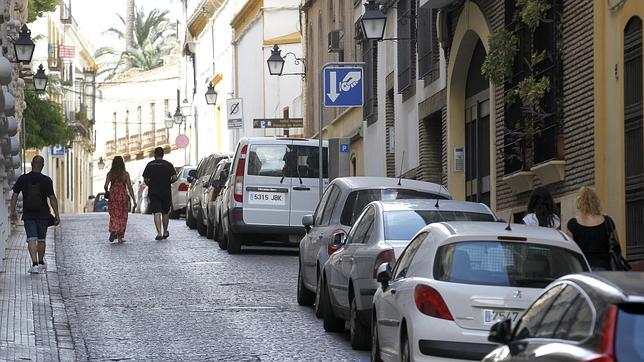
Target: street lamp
{"x":24,"y":46}
{"x":211,"y":95}
{"x":101,"y":163}
{"x":169,"y":121}
{"x":275,"y":61}
{"x":373,"y":21}
{"x":40,"y":79}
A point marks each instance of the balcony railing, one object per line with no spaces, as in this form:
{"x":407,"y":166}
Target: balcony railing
{"x":122,"y":146}
{"x":148,"y":140}
{"x":138,"y":145}
{"x":134,"y":144}
{"x":161,"y":137}
{"x":110,"y":148}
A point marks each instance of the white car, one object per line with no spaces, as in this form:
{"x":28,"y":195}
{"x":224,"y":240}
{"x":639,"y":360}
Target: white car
{"x":456,"y":279}
{"x":381,"y":233}
{"x":179,"y":191}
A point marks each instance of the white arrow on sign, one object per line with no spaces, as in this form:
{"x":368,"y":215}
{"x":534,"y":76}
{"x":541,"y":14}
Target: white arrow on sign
{"x":334,"y":87}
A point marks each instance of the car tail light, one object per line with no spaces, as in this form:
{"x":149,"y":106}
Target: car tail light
{"x":332,"y":247}
{"x":429,"y":302}
{"x":607,"y":343}
{"x":183,"y":186}
{"x":387,"y":256}
{"x":239,"y":175}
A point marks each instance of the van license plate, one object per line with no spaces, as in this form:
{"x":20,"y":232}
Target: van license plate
{"x":491,"y":316}
{"x":266,"y":198}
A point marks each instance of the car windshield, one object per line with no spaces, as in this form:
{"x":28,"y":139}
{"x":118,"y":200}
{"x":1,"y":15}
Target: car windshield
{"x":404,"y":224}
{"x":630,"y":333}
{"x":500,"y":263}
{"x":357,"y":200}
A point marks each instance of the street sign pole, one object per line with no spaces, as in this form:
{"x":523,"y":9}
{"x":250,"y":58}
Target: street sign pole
{"x":321,"y":125}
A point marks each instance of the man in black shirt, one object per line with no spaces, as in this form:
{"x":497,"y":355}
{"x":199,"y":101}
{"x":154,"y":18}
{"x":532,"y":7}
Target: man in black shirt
{"x":36,"y":189}
{"x":159,"y":175}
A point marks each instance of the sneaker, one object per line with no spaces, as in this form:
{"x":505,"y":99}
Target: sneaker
{"x":35,"y":269}
{"x":43,"y":268}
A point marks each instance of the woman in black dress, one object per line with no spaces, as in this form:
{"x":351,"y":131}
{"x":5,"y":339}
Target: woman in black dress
{"x":590,"y":230}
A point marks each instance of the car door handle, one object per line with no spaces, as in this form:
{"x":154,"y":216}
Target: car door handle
{"x":301,"y":188}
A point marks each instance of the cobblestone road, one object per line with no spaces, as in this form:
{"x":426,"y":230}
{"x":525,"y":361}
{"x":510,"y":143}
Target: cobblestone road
{"x":184,"y":298}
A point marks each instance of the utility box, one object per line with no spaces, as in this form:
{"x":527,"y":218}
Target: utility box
{"x":339,"y":157}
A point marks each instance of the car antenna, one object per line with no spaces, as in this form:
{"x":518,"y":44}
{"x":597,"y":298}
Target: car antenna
{"x":401,"y":169}
{"x":509,"y":227}
{"x":437,"y":199}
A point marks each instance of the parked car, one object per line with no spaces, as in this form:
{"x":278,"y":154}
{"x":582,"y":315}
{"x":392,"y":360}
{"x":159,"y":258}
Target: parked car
{"x":213,"y":199}
{"x":274,"y":184}
{"x":340,"y":206}
{"x":456,"y":279}
{"x":197,"y":179}
{"x":379,"y":235}
{"x":208,"y":195}
{"x":179,"y":191}
{"x":582,"y":317}
{"x":100,"y":203}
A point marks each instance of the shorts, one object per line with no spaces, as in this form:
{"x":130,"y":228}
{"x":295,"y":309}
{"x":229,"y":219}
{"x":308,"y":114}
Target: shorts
{"x":160,"y":203}
{"x":36,"y":229}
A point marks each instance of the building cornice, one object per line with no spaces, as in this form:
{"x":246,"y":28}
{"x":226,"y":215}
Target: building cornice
{"x":246,"y":15}
{"x":200,"y":18}
{"x":293,"y":38}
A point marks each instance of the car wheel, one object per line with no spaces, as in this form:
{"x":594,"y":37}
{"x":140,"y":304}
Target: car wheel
{"x":190,"y":219}
{"x":358,"y":332}
{"x":210,"y":229}
{"x":201,"y":228}
{"x":331,"y":322}
{"x":318,"y":297}
{"x":405,"y":351}
{"x":304,"y":296}
{"x":234,"y":243}
{"x":375,"y":343}
{"x":221,"y":238}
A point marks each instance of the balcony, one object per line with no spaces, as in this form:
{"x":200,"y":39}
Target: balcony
{"x":110,"y":149}
{"x":54,"y":62}
{"x":148,"y":140}
{"x":122,"y":146}
{"x":161,"y":137}
{"x":134,"y":144}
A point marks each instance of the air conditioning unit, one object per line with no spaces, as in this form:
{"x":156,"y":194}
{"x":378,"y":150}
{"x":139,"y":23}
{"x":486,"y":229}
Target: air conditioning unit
{"x":336,"y":38}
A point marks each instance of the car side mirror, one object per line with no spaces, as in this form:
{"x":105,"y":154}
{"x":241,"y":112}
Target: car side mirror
{"x":384,"y":275}
{"x":501,"y":332}
{"x":307,"y":220}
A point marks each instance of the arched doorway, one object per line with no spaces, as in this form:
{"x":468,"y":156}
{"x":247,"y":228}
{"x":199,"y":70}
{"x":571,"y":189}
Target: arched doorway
{"x":634,"y":138}
{"x":477,"y":130}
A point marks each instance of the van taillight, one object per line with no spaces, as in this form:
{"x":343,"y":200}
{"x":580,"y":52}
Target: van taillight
{"x":429,"y":302}
{"x":387,"y":256}
{"x":239,"y":175}
{"x":183,"y":186}
{"x":607,"y":343}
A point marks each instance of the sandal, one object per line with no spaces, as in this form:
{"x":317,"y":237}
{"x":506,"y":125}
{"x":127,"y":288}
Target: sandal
{"x":112,"y":237}
{"x":159,"y":237}
{"x":166,"y":235}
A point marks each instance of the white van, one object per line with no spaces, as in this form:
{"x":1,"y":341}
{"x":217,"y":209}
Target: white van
{"x":273,"y":183}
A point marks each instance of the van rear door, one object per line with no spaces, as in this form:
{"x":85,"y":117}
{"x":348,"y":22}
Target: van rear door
{"x":304,"y":170}
{"x":267,"y":189}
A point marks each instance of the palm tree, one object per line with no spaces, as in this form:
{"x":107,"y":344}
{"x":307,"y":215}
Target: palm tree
{"x":154,"y":37}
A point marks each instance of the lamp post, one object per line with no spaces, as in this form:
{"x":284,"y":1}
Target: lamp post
{"x":40,"y":79}
{"x":101,"y":163}
{"x":211,"y":95}
{"x":373,"y":21}
{"x":276,"y":62}
{"x":24,"y":46}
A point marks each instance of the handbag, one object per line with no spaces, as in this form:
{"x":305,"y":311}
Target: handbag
{"x":617,"y":260}
{"x":107,"y":195}
{"x":51,"y":220}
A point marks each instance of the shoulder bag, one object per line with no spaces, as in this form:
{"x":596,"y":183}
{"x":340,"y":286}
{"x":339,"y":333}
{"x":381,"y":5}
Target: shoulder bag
{"x":617,"y":260}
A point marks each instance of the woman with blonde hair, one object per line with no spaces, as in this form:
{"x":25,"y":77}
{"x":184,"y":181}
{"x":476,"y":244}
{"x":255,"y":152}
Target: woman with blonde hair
{"x":118,"y":185}
{"x":591,"y":230}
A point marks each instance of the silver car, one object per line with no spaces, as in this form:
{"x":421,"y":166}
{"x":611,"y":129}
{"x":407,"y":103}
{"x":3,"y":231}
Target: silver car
{"x":338,"y":209}
{"x":381,"y":233}
{"x":179,"y":191}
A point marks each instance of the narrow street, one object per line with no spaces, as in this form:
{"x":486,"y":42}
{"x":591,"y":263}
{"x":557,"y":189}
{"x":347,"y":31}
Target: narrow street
{"x":184,"y":298}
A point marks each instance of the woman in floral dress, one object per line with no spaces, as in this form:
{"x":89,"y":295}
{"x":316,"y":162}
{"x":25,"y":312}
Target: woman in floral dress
{"x":119,"y":186}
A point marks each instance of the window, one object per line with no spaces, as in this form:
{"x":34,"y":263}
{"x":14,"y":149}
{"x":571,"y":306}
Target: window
{"x":576,"y":324}
{"x":499,"y":263}
{"x":285,"y":161}
{"x":326,"y":206}
{"x":553,"y":319}
{"x":359,"y":233}
{"x":403,"y":225}
{"x":428,"y":51}
{"x":328,"y":210}
{"x":357,"y":200}
{"x":406,"y":29}
{"x":402,"y":266}
{"x":529,"y":323}
{"x":322,"y":205}
{"x":630,"y":333}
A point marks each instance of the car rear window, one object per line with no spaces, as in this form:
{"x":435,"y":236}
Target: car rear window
{"x":630,"y":333}
{"x":357,"y":200}
{"x":185,"y":171}
{"x":404,"y":224}
{"x":507,"y":264}
{"x":286,"y":161}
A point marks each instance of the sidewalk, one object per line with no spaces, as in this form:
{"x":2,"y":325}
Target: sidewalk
{"x":33,"y":321}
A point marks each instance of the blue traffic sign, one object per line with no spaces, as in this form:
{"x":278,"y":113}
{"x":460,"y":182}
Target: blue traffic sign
{"x":58,"y":150}
{"x":344,"y":148}
{"x":343,"y":87}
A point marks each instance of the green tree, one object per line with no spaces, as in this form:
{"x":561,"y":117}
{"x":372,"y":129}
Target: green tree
{"x":38,"y":7}
{"x":154,"y":38}
{"x":44,"y":123}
